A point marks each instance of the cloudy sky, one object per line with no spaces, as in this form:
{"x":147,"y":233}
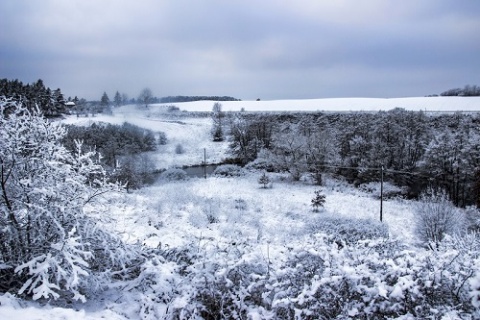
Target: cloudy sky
{"x":268,"y":49}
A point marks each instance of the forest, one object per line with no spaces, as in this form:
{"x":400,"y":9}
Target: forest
{"x":417,"y":151}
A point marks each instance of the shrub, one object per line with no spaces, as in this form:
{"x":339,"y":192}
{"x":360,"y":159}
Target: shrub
{"x":174,"y":174}
{"x":349,"y":230}
{"x":261,"y":164}
{"x":50,"y":247}
{"x":162,"y":138}
{"x":371,"y":279}
{"x":375,"y":280}
{"x":229,"y":170}
{"x":240,"y":204}
{"x":436,"y":217}
{"x":179,"y":149}
{"x":473,"y":219}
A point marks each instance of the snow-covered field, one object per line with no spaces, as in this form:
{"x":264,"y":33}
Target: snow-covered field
{"x":171,"y":214}
{"x":342,"y":104}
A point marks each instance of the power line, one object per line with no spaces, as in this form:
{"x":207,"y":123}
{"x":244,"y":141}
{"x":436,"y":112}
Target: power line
{"x":382,"y":171}
{"x":376,"y":169}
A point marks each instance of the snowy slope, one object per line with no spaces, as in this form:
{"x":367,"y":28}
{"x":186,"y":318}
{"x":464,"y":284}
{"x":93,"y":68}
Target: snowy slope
{"x":341,"y":104}
{"x":193,"y":134}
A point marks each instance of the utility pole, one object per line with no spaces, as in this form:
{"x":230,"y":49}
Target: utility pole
{"x":205,"y":162}
{"x":381,"y":196}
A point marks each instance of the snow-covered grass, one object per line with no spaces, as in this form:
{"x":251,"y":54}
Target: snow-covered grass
{"x":279,"y":215}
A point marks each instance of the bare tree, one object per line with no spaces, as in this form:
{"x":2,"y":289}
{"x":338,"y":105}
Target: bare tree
{"x":145,"y":97}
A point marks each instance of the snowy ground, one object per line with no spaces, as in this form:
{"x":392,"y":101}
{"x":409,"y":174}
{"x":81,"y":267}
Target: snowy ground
{"x":172,"y":214}
{"x":342,"y":104}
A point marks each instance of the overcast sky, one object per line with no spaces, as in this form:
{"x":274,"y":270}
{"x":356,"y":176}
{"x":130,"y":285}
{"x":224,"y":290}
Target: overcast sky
{"x":268,"y":49}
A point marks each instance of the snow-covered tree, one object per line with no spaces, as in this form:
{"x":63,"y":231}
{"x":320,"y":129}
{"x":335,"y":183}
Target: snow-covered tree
{"x":105,"y":103}
{"x":318,"y":201}
{"x":49,"y":246}
{"x":264,"y":180}
{"x":117,"y":99}
{"x":145,"y":97}
{"x":217,"y":127}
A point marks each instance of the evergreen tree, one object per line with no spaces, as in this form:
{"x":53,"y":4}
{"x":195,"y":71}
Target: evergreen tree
{"x":318,"y":201}
{"x":264,"y":180}
{"x":105,"y":104}
{"x":117,"y":100}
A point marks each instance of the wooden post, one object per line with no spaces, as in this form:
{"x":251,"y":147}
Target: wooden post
{"x":381,"y":197}
{"x":205,"y":162}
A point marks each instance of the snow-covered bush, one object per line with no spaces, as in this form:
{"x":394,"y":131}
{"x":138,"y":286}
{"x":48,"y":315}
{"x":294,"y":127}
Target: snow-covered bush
{"x":154,"y":289}
{"x":436,"y":217}
{"x":349,"y":230}
{"x":49,"y":246}
{"x":371,"y":279}
{"x":174,"y":174}
{"x":262,"y":165}
{"x":374,"y":280}
{"x":473,"y":219}
{"x":228,"y":170}
{"x":240,"y":204}
{"x":162,"y":138}
{"x":179,"y":149}
{"x":224,"y":288}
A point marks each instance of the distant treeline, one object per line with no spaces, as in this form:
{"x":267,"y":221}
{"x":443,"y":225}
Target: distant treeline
{"x":171,"y":99}
{"x":467,"y":91}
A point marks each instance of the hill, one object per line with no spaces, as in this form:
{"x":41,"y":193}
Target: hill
{"x":447,"y":104}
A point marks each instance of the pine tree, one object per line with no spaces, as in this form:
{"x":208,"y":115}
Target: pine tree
{"x":318,"y":201}
{"x":117,"y":100}
{"x":105,"y":103}
{"x":264,"y":180}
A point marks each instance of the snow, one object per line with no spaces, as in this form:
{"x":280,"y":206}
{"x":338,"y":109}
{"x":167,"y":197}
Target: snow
{"x":173,"y":214}
{"x":193,"y":134}
{"x":13,"y":308}
{"x":339,"y":104}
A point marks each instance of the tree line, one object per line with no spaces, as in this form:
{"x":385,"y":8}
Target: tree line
{"x":123,"y":149}
{"x":467,"y":91}
{"x":172,"y":99}
{"x":417,"y":151}
{"x":50,"y":102}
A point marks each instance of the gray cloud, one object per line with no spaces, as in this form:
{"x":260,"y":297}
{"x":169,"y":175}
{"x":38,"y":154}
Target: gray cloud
{"x":247,"y":49}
